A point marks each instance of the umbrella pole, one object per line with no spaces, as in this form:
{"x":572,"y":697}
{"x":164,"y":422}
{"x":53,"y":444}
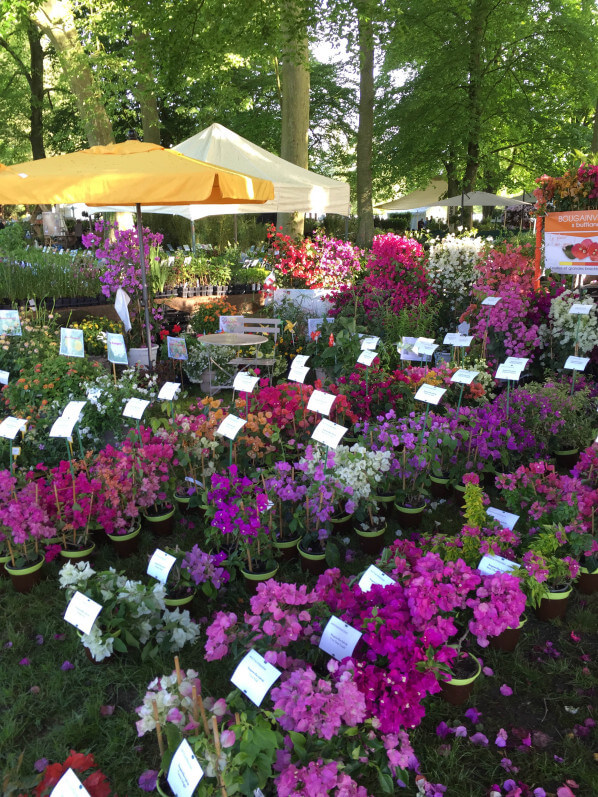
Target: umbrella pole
{"x":193,"y":236}
{"x":148,"y":326}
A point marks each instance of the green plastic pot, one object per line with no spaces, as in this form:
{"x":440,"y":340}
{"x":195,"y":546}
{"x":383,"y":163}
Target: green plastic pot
{"x":25,"y":578}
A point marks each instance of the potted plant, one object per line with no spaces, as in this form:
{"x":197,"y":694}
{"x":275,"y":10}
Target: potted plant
{"x":370,"y":526}
{"x":412,"y":473}
{"x":74,"y":494}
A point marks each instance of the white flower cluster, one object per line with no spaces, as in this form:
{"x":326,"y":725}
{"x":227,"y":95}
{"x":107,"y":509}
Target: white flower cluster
{"x":168,"y":694}
{"x":564,"y":327}
{"x":356,"y":467}
{"x":75,"y":574}
{"x":451,"y":264}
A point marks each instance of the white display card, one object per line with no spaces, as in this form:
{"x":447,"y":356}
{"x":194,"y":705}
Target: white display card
{"x":490,"y":564}
{"x":430,"y":394}
{"x":168,"y":391}
{"x":517,"y":362}
{"x":73,"y":410}
{"x":491,"y":301}
{"x":10,"y":427}
{"x":68,"y":785}
{"x":117,"y":350}
{"x":406,"y":348}
{"x":191,"y":480}
{"x":82,"y":612}
{"x":370,"y":343}
{"x":373,"y":575}
{"x":71,"y":342}
{"x":134,"y":408}
{"x":506,"y":519}
{"x":63,"y":427}
{"x":160,"y":565}
{"x":456,"y":339}
{"x":298,"y":373}
{"x":177,"y":348}
{"x":573,"y":364}
{"x":4,"y":377}
{"x":299,"y":360}
{"x":422,"y":346}
{"x":329,"y":433}
{"x":245,"y":382}
{"x":254,"y":676}
{"x":464,"y":377}
{"x":367,"y":356}
{"x":320,"y":402}
{"x":231,"y":426}
{"x":508,"y":372}
{"x":10,"y":323}
{"x":184,"y":772}
{"x":339,"y":639}
{"x":580,"y":309}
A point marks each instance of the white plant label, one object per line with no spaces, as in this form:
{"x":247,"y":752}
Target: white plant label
{"x":117,"y":350}
{"x":300,"y":360}
{"x":329,"y":433}
{"x":506,"y":519}
{"x":63,"y":427}
{"x":491,"y":301}
{"x":82,"y":612}
{"x":424,"y":347}
{"x":298,"y":373}
{"x":4,"y":377}
{"x":254,"y":676}
{"x":68,"y":785}
{"x":71,"y":342}
{"x":508,"y":372}
{"x":369,"y":343}
{"x":373,"y":575}
{"x":456,"y":339}
{"x":10,"y":323}
{"x":367,"y":356}
{"x":464,"y":377}
{"x":490,"y":564}
{"x":464,"y":328}
{"x":134,"y":408}
{"x":320,"y":402}
{"x":185,"y":771}
{"x":160,"y":565}
{"x":517,"y":362}
{"x":573,"y":363}
{"x":191,"y":480}
{"x":430,"y":394}
{"x":73,"y":410}
{"x":580,"y":309}
{"x":339,"y":639}
{"x":169,"y":391}
{"x":245,"y":382}
{"x":10,"y":427}
{"x":231,"y":426}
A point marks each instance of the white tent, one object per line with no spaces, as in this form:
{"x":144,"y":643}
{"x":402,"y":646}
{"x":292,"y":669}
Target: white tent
{"x":295,"y":189}
{"x":427,"y":197}
{"x":480,"y":198}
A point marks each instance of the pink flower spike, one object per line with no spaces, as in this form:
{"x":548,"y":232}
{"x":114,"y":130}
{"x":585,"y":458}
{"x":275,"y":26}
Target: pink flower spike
{"x":506,"y":691}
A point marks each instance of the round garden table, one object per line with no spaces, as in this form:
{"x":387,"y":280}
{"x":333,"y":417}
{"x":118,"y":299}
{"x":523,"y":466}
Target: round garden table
{"x":235,"y":339}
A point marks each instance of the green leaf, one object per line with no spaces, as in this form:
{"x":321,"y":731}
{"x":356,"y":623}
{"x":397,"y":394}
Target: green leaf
{"x":333,"y":556}
{"x":119,"y":645}
{"x":386,"y":783}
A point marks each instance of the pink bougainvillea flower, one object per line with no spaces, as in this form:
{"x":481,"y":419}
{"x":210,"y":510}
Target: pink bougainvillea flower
{"x":574,"y":637}
{"x":488,"y":671}
{"x":479,"y":738}
{"x":473,"y":714}
{"x":564,"y":791}
{"x":227,"y":738}
{"x":506,"y":691}
{"x":24,"y":662}
{"x":66,"y":665}
{"x":501,"y":738}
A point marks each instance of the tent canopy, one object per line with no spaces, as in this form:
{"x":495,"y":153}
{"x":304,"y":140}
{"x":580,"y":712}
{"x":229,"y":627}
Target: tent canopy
{"x":295,"y":189}
{"x":479,"y":198}
{"x":427,"y":197}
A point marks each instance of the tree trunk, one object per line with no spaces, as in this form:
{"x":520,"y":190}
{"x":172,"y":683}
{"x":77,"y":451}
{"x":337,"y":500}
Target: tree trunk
{"x":365,"y":131}
{"x":595,"y":131}
{"x":145,"y":92}
{"x":453,"y":190}
{"x":295,"y":103}
{"x":36,"y":85}
{"x":55,"y":18}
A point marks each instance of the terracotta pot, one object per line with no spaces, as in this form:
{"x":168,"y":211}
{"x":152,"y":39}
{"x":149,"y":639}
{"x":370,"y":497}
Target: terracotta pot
{"x":161,"y":524}
{"x":587,"y":583}
{"x":25,"y":578}
{"x":314,"y":563}
{"x":371,"y":542}
{"x":409,"y":517}
{"x":253,"y":579}
{"x":554,"y":605}
{"x":126,"y":544}
{"x":457,"y":690}
{"x":509,"y":638}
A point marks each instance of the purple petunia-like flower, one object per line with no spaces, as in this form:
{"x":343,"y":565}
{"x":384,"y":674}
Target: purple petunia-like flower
{"x":66,"y":665}
{"x":148,"y":779}
{"x":473,"y":714}
{"x":479,"y":738}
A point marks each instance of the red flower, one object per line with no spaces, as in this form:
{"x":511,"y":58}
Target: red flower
{"x":331,"y":340}
{"x":163,"y":334}
{"x":176,"y":329}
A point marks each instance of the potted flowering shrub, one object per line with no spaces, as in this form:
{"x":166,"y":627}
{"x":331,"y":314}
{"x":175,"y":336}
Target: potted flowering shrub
{"x":412,"y":472}
{"x":74,"y":494}
{"x":86,"y":769}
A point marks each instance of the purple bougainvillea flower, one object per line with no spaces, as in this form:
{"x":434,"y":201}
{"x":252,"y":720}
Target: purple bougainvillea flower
{"x":442,"y":730}
{"x":66,"y":665}
{"x":39,"y":639}
{"x":479,"y":738}
{"x":8,"y":644}
{"x":40,"y":764}
{"x":473,"y":714}
{"x":558,"y":759}
{"x":460,"y":731}
{"x":507,"y":765}
{"x":488,"y":671}
{"x":24,"y":662}
{"x":501,"y":738}
{"x":506,"y":691}
{"x":148,"y":779}
{"x":539,"y":792}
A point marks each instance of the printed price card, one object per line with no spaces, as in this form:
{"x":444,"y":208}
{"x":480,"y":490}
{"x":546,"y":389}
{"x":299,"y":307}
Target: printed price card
{"x":10,"y":427}
{"x":370,"y":342}
{"x":490,"y":564}
{"x":517,"y":362}
{"x":491,"y":301}
{"x":298,"y":373}
{"x":320,"y":402}
{"x":63,"y":427}
{"x":169,"y":391}
{"x":572,"y":364}
{"x":71,"y":342}
{"x":464,"y":377}
{"x":329,"y":433}
{"x":423,"y":346}
{"x":456,"y":339}
{"x":135,"y":407}
{"x":580,"y":309}
{"x":184,"y":772}
{"x":160,"y":565}
{"x":373,"y":575}
{"x":339,"y":639}
{"x":367,"y":356}
{"x":254,"y":676}
{"x":4,"y":377}
{"x":73,"y":410}
{"x":406,"y":348}
{"x":82,"y":612}
{"x":69,"y":785}
{"x":300,"y":360}
{"x":506,"y":519}
{"x":117,"y":351}
{"x":231,"y":426}
{"x":430,"y":394}
{"x":10,"y":323}
{"x":508,"y":372}
{"x":245,"y":382}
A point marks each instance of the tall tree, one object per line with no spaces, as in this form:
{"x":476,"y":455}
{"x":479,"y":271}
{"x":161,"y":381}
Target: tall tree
{"x":365,"y":208}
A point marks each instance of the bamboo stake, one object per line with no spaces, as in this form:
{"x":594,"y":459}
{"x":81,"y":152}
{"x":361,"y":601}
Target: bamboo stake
{"x":194,"y":706}
{"x":217,"y":743}
{"x":202,"y":711}
{"x":177,"y":667}
{"x":158,"y":728}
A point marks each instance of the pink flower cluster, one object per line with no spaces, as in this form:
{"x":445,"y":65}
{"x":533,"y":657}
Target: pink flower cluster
{"x":318,"y":780}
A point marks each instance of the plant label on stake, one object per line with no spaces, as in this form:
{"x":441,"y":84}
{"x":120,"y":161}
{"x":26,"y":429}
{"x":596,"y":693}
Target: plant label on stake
{"x":117,"y":351}
{"x":184,"y":772}
{"x":373,"y":575}
{"x":299,"y":360}
{"x":369,"y":343}
{"x":509,"y":372}
{"x":320,"y":402}
{"x":160,"y":565}
{"x":73,"y":410}
{"x":10,"y":323}
{"x":406,"y":348}
{"x":339,"y":639}
{"x":82,"y":612}
{"x":11,"y":426}
{"x":572,"y":364}
{"x":367,"y":357}
{"x":430,"y":394}
{"x":423,"y":346}
{"x":68,"y":786}
{"x":231,"y":426}
{"x":491,"y":301}
{"x":456,"y":339}
{"x":63,"y":427}
{"x":580,"y":309}
{"x":168,"y":391}
{"x":134,"y":408}
{"x":254,"y":676}
{"x":490,"y":564}
{"x":298,"y":373}
{"x":245,"y":382}
{"x":464,"y":377}
{"x":4,"y":377}
{"x":518,"y":362}
{"x":506,"y":519}
{"x":329,"y":433}
{"x":177,"y":348}
{"x":71,"y":342}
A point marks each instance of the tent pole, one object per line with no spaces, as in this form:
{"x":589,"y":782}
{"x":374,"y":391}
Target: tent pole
{"x":193,"y":236}
{"x":148,"y":326}
{"x":235,"y":229}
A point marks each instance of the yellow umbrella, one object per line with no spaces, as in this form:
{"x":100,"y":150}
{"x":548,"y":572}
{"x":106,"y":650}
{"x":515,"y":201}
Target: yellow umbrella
{"x":130,"y":173}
